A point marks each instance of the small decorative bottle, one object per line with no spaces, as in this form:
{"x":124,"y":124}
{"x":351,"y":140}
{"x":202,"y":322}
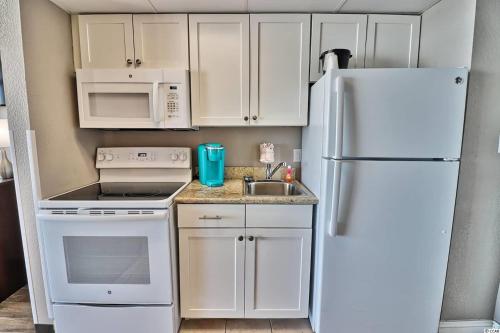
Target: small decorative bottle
{"x":288,"y":177}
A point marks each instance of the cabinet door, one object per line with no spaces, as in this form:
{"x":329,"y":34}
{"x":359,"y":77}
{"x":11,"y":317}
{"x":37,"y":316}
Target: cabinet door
{"x":337,"y":31}
{"x":161,"y":41}
{"x":212,"y":272}
{"x":106,"y":41}
{"x":219,"y":54}
{"x":279,"y":58}
{"x":277,"y":270}
{"x":392,"y":41}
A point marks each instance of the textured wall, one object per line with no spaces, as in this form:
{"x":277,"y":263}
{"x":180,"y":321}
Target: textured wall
{"x":11,"y":50}
{"x":474,"y":265}
{"x":66,"y":153}
{"x":241,"y":143}
{"x":497,"y":308}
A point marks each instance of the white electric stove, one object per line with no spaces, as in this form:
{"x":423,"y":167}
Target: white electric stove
{"x":110,"y":247}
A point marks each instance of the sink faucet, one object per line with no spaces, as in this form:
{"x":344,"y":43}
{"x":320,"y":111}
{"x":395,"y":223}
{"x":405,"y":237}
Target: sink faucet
{"x":270,"y":173}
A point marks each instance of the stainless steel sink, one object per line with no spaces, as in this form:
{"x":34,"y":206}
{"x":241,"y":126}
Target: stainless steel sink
{"x":268,"y":187}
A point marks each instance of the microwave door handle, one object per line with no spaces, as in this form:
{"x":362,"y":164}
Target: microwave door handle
{"x":339,"y":123}
{"x":156,"y":115}
{"x":337,"y":171}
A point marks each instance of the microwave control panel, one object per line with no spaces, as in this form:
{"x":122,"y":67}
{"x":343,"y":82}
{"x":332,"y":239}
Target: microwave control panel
{"x":177,"y":113}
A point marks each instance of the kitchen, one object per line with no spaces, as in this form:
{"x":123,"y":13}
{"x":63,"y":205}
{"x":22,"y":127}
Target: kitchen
{"x":262,"y":64}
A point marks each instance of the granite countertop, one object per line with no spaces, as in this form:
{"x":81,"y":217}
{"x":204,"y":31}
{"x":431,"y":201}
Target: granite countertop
{"x":232,"y":193}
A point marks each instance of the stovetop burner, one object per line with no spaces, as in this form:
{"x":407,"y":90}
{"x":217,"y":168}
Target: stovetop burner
{"x":122,"y":191}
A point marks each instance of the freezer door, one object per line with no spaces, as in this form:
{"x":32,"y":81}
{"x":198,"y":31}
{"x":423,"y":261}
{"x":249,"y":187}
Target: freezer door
{"x":383,"y":268}
{"x":396,"y":113}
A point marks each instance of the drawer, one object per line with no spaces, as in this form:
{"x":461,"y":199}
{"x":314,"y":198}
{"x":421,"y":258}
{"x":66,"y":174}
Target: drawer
{"x":211,"y":216}
{"x":106,"y":319}
{"x":279,"y":216}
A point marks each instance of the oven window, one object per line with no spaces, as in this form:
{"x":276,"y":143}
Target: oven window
{"x":107,"y":260}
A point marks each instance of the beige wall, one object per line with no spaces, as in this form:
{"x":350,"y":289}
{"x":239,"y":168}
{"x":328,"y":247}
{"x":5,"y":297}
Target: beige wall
{"x":474,"y":264}
{"x":65,"y":152}
{"x":242,"y":144}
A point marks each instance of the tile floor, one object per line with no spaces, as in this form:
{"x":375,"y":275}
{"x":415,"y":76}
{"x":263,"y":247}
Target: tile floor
{"x":246,"y":326}
{"x":15,"y":313}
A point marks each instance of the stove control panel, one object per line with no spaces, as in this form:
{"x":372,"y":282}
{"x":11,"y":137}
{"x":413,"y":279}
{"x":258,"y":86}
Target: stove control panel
{"x":143,"y":158}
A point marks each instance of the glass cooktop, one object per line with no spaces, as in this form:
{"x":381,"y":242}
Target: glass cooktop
{"x":121,"y":191}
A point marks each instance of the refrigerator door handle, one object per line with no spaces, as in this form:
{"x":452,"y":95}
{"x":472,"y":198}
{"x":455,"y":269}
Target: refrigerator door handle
{"x":339,"y":122}
{"x":337,"y":171}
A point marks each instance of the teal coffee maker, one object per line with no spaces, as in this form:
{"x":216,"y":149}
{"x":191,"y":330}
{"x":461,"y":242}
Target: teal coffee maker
{"x":211,"y":164}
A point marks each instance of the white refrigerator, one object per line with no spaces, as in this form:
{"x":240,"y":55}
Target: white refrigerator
{"x":382,"y":153}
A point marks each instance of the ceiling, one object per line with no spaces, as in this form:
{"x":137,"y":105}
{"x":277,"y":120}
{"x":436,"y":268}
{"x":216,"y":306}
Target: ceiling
{"x":234,"y":6}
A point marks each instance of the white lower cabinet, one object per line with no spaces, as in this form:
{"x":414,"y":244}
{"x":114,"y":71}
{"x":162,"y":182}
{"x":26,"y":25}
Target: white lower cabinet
{"x":277,"y":270}
{"x":235,"y":272}
{"x":212,"y":272}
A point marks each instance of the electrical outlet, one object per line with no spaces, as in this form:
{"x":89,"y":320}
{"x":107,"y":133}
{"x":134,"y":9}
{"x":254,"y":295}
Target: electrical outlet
{"x":297,"y":155}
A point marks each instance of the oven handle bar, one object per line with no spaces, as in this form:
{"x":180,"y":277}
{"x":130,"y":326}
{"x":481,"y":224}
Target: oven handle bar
{"x":160,"y":215}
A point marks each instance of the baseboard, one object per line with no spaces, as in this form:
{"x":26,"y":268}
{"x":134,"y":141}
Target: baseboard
{"x":465,"y":326}
{"x":39,"y":328}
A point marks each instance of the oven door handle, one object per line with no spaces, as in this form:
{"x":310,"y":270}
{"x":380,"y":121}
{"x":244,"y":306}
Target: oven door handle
{"x":46,"y":216}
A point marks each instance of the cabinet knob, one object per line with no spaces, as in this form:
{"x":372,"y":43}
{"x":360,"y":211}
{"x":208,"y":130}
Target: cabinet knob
{"x":254,"y":117}
{"x":245,"y":118}
{"x":251,"y":238}
{"x":129,"y":62}
{"x":241,"y":238}
{"x":138,"y":61}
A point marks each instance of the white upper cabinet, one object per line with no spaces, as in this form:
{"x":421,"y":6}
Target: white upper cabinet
{"x":161,"y":41}
{"x":337,"y":31}
{"x":106,"y":41}
{"x":219,"y":54}
{"x":121,"y":41}
{"x":279,"y":45}
{"x":392,"y":41}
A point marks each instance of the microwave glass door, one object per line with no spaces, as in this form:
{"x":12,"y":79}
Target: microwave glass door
{"x":120,"y":105}
{"x":108,"y":259}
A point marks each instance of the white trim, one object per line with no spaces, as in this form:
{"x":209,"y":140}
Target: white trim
{"x":465,"y":326}
{"x":496,"y":325}
{"x":37,"y":195}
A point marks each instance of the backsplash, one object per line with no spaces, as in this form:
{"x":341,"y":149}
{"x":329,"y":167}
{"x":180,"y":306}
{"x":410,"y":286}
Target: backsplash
{"x":255,"y":172}
{"x":242,"y":144}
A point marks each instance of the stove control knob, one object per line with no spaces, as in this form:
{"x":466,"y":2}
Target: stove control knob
{"x":100,"y":157}
{"x":109,"y":157}
{"x":174,"y":156}
{"x":183,"y":157}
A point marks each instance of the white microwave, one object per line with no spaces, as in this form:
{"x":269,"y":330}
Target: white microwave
{"x":133,"y":98}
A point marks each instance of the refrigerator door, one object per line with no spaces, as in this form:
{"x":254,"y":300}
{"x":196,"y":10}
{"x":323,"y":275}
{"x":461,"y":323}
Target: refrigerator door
{"x":383,"y":268}
{"x":395,"y":113}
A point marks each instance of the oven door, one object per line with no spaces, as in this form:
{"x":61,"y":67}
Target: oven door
{"x":120,"y":105}
{"x":108,"y":259}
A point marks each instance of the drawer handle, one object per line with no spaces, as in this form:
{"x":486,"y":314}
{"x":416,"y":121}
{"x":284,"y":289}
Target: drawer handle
{"x":251,"y":238}
{"x":204,"y":217}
